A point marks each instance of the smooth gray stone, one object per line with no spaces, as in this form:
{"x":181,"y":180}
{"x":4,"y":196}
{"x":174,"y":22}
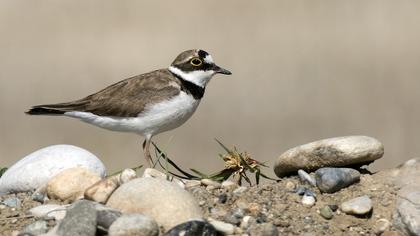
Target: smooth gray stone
{"x":134,"y":224}
{"x":357,"y":206}
{"x":36,"y":228}
{"x":12,"y":202}
{"x":326,"y":212}
{"x":333,"y":152}
{"x":105,"y":217}
{"x":306,"y":178}
{"x":330,"y":180}
{"x":193,"y":228}
{"x":80,"y":220}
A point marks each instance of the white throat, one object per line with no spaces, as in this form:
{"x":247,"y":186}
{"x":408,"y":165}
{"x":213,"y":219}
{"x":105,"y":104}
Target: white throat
{"x":198,"y":77}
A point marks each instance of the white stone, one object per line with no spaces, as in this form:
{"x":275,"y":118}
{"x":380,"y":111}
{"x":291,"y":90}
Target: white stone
{"x":127,"y":175}
{"x":209,"y":182}
{"x":70,"y":184}
{"x":49,"y":210}
{"x":227,"y":184}
{"x":308,"y":200}
{"x":153,"y":173}
{"x":162,"y":200}
{"x":34,"y":170}
{"x":223,"y":227}
{"x":357,"y":206}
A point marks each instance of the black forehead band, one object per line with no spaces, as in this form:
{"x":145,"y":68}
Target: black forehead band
{"x":202,"y":54}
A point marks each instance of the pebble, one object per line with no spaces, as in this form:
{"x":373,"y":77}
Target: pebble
{"x":36,"y":228}
{"x":192,"y":183}
{"x":381,"y":226}
{"x":126,"y":175}
{"x":193,"y":228}
{"x":209,"y":182}
{"x":230,"y":185}
{"x":83,"y":212}
{"x":247,"y":221}
{"x":235,"y":216}
{"x":134,"y":224}
{"x":222,"y":227}
{"x":333,"y":207}
{"x":308,"y":200}
{"x":162,"y":200}
{"x":306,"y":178}
{"x":47,"y":162}
{"x":326,"y":212}
{"x":12,"y":202}
{"x":240,"y":190}
{"x":70,"y":184}
{"x":357,"y":206}
{"x":57,"y":212}
{"x":300,"y":190}
{"x":39,"y":197}
{"x":105,"y":216}
{"x":330,"y":180}
{"x":153,"y":173}
{"x":333,"y":152}
{"x":223,"y":198}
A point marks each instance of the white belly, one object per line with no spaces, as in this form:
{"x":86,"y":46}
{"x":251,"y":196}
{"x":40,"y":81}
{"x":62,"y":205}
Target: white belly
{"x":155,"y":119}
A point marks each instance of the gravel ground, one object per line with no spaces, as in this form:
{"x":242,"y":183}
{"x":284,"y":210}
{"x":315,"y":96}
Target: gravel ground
{"x":278,"y":204}
{"x":270,"y":205}
{"x":13,"y":220}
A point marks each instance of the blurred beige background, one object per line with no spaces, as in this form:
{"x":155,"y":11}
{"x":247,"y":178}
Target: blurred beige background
{"x":302,"y":71}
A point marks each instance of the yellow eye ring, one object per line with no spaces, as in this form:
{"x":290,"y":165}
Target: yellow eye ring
{"x":196,"y":61}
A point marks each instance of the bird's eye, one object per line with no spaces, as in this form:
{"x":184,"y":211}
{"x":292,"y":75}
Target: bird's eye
{"x":196,"y":61}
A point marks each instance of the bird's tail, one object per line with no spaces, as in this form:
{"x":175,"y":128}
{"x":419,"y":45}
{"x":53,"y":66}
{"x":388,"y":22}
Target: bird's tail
{"x":56,"y":109}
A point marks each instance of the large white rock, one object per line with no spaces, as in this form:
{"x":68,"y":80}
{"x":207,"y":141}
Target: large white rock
{"x":34,"y":170}
{"x":162,"y":200}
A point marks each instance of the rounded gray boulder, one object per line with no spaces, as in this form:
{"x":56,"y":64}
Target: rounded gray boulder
{"x":333,"y":152}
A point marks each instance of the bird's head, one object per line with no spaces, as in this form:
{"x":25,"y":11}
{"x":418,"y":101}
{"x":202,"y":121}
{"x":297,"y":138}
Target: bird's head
{"x":196,"y":66}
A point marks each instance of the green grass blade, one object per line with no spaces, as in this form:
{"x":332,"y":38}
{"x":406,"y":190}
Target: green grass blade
{"x":224,"y":147}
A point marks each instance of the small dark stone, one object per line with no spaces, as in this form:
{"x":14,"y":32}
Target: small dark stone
{"x":39,"y":197}
{"x":223,"y":198}
{"x":308,"y":192}
{"x":105,"y":218}
{"x":333,"y":207}
{"x":300,"y":190}
{"x":193,"y":228}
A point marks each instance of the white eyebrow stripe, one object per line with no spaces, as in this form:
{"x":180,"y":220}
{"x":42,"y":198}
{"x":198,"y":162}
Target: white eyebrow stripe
{"x":209,"y":59}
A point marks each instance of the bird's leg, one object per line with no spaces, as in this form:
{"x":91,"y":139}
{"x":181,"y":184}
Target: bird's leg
{"x":146,"y":151}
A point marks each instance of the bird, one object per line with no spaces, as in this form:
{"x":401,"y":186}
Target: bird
{"x":145,"y":104}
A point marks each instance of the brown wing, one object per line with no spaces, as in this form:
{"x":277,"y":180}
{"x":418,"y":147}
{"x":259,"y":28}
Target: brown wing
{"x":126,"y":98}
